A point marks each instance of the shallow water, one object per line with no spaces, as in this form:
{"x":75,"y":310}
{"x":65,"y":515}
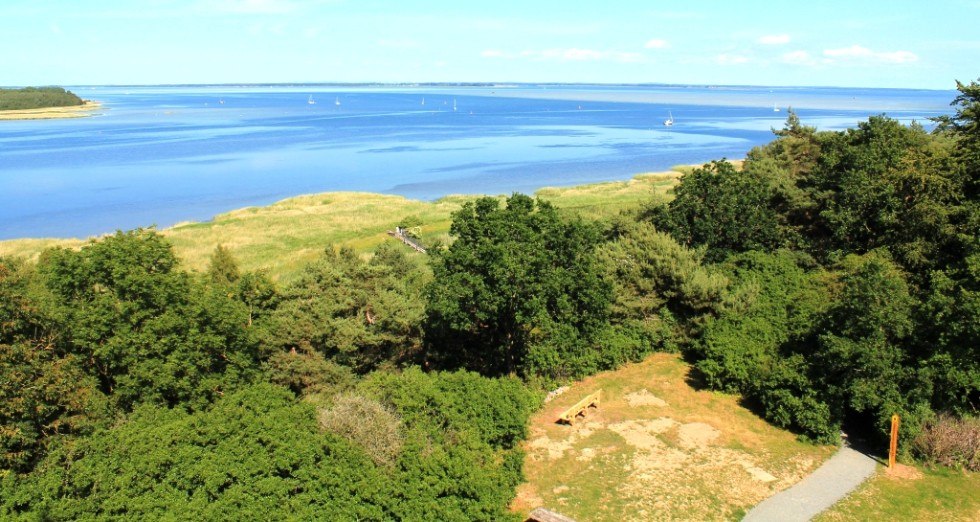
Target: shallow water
{"x":160,"y":155}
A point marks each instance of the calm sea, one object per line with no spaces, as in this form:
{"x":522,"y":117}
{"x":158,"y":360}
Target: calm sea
{"x":161,"y":155}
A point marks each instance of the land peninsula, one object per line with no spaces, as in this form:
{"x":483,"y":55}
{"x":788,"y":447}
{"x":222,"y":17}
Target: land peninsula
{"x":42,"y":103}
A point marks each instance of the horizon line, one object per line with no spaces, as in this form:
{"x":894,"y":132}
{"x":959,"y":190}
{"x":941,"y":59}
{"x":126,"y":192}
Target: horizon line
{"x":500,"y":84}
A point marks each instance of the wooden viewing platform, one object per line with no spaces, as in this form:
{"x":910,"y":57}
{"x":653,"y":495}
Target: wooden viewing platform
{"x":580,"y":407}
{"x":399,"y":233}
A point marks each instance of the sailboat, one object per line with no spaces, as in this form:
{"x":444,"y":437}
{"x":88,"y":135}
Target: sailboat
{"x":670,"y":120}
{"x":311,"y":101}
{"x":775,"y":108}
{"x":337,"y":101}
{"x":423,"y":102}
{"x":454,"y":104}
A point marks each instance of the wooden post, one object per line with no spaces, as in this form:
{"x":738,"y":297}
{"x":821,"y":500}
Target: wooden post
{"x":893,"y":447}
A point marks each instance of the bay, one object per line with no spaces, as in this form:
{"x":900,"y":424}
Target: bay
{"x":158,"y":155}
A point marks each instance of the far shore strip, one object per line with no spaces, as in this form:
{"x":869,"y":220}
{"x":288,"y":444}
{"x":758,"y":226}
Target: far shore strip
{"x":51,"y":113}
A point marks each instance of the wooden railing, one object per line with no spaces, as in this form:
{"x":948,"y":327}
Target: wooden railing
{"x":399,"y":233}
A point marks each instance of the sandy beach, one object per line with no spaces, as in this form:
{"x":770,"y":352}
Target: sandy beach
{"x":50,"y":113}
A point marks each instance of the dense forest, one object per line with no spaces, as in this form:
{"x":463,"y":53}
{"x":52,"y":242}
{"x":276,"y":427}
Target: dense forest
{"x":832,"y":280}
{"x":37,"y":98}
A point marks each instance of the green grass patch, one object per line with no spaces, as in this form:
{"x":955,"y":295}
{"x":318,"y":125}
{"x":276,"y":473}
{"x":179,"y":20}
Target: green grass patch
{"x":922,"y":494}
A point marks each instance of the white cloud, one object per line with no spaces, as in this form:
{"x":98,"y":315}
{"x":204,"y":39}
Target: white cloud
{"x":572,"y":54}
{"x":799,"y":58}
{"x":577,"y":55}
{"x":774,"y":39}
{"x":657,"y":43}
{"x":628,"y":57}
{"x":399,"y":44}
{"x":856,"y":53}
{"x":731,"y":59}
{"x":249,"y":6}
{"x":256,"y":7}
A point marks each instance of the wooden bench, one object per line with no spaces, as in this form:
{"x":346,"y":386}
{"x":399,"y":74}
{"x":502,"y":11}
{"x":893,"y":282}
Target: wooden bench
{"x":580,"y":407}
{"x":545,"y":515}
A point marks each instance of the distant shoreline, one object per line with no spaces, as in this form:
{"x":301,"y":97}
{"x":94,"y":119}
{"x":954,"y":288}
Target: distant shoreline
{"x":52,"y":113}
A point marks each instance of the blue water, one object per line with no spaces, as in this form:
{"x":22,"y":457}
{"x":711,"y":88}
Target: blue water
{"x":161,"y":155}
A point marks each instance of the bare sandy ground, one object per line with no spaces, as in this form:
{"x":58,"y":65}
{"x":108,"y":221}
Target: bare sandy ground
{"x":51,"y":113}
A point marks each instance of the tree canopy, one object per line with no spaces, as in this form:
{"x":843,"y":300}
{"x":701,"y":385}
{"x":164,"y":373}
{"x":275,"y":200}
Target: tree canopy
{"x":37,"y":98}
{"x":518,"y":291}
{"x":873,"y":309}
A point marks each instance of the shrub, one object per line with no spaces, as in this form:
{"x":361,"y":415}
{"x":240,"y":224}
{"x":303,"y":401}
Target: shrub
{"x":951,"y":441}
{"x":365,"y":423}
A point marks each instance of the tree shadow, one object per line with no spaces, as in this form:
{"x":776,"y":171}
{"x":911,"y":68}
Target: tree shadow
{"x":694,"y":378}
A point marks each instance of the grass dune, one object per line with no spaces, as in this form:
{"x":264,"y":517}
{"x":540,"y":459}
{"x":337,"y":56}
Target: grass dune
{"x":282,"y":237}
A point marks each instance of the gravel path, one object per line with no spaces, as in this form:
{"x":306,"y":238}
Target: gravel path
{"x":837,"y":477}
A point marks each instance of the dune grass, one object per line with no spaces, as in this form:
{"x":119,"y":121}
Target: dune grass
{"x":657,"y":449}
{"x":917,"y":494}
{"x":284,"y":236}
{"x":281,"y":238}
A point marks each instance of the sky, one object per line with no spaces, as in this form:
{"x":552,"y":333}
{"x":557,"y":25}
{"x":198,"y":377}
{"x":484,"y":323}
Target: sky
{"x":854,"y":43}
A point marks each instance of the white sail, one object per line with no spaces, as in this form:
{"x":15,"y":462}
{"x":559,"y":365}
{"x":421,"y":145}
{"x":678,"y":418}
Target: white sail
{"x":670,"y":119}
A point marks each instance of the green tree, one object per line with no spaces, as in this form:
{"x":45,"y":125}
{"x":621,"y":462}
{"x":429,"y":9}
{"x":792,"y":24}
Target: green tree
{"x":964,"y":126}
{"x":36,"y":98}
{"x":45,"y":394}
{"x":258,"y":293}
{"x":360,"y":314}
{"x":461,"y":458}
{"x":662,"y":290}
{"x":760,"y":345}
{"x":222,"y":268}
{"x":308,"y":373}
{"x":862,"y":362}
{"x":722,"y":209}
{"x":147,"y":331}
{"x":887,"y":187}
{"x":518,"y":288}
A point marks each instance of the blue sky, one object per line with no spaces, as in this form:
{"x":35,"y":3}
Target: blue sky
{"x":919,"y":44}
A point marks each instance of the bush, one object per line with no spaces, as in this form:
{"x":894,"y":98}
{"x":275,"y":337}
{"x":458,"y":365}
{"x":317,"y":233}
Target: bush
{"x":951,"y":441}
{"x":365,"y":423}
